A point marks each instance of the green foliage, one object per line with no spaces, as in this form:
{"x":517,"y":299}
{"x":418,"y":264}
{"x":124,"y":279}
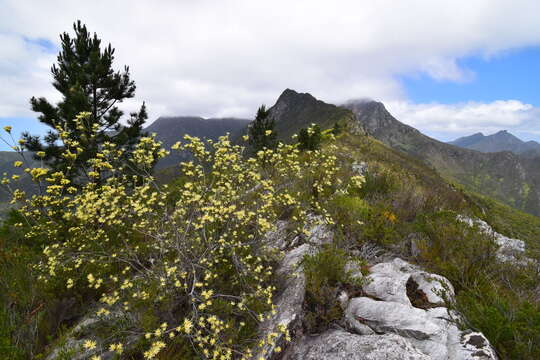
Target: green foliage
{"x":507,"y":220}
{"x":381,"y":226}
{"x":513,"y":327}
{"x":85,"y":78}
{"x":349,"y":213}
{"x":310,"y":138}
{"x":379,"y":182}
{"x":491,"y":295}
{"x":325,"y":275}
{"x":261,"y":131}
{"x":454,"y":249}
{"x":337,"y":129}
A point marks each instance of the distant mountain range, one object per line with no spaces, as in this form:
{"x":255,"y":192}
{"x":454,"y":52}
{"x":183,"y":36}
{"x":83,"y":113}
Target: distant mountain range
{"x":500,"y":141}
{"x":169,"y":130}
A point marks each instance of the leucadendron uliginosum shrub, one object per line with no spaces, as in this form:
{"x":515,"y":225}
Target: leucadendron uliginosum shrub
{"x":201,"y":259}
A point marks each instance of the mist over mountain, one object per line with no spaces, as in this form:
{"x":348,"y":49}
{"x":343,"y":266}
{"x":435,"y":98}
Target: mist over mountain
{"x":500,"y":141}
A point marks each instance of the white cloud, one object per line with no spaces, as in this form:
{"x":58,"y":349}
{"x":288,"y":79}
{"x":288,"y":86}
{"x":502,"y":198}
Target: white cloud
{"x":452,"y":121}
{"x":225,"y":57}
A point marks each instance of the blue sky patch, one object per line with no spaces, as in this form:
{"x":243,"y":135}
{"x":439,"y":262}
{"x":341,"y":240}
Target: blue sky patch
{"x":511,"y":75}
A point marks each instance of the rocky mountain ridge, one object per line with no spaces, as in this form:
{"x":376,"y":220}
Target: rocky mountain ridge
{"x":508,"y":177}
{"x":500,"y":141}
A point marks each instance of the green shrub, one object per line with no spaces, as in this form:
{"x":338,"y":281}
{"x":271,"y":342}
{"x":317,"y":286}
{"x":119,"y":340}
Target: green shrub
{"x":325,"y":277}
{"x":379,"y":182}
{"x":310,"y":138}
{"x":454,"y":249}
{"x":336,"y":130}
{"x":381,"y":226}
{"x":495,"y":298}
{"x":511,"y":325}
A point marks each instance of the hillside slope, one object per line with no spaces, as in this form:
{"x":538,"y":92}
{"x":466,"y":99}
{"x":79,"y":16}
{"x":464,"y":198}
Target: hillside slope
{"x":505,"y":176}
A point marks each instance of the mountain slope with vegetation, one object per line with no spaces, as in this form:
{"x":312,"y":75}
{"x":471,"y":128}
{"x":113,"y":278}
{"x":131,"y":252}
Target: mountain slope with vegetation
{"x":294,"y":111}
{"x":505,"y":176}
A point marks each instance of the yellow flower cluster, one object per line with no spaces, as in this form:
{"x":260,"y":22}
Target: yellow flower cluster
{"x":196,"y":245}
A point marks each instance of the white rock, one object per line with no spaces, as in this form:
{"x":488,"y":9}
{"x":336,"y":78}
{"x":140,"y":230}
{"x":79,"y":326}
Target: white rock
{"x":341,"y":345}
{"x":475,"y":346}
{"x":388,"y":281}
{"x":414,"y":324}
{"x":360,"y":168}
{"x":277,"y":238}
{"x":290,"y":300}
{"x":510,"y":250}
{"x":436,"y":288}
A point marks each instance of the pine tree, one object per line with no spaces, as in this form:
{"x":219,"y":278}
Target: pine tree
{"x":261,"y":131}
{"x":88,"y":83}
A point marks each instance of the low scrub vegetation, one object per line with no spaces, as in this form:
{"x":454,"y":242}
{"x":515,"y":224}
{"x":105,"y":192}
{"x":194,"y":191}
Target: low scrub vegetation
{"x":187,"y":266}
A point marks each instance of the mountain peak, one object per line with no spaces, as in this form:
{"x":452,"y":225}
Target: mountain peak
{"x":293,"y":111}
{"x":289,"y":96}
{"x":363,"y":105}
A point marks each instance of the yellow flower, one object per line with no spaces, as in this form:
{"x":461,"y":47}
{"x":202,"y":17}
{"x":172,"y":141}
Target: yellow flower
{"x":41,"y":154}
{"x":268,"y":132}
{"x":118,"y":348}
{"x":188,"y":325}
{"x":7,"y":129}
{"x":17,"y":163}
{"x":89,"y":344}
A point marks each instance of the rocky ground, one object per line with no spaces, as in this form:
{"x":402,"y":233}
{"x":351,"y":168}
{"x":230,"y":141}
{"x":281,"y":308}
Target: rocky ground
{"x":402,"y":314}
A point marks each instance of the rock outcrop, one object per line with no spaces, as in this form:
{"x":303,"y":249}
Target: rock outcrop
{"x":401,"y":315}
{"x":340,"y":345}
{"x":509,"y":251}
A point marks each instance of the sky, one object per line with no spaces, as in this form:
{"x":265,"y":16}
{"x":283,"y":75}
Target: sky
{"x":448,"y":68}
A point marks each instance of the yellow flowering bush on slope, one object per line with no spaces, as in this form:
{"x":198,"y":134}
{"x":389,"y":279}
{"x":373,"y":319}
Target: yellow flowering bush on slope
{"x":197,"y":260}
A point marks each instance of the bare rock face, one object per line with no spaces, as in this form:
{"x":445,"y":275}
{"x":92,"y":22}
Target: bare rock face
{"x":360,"y":168}
{"x":290,"y":298}
{"x":398,"y":281}
{"x":340,"y":345}
{"x":404,"y":300}
{"x":72,"y":346}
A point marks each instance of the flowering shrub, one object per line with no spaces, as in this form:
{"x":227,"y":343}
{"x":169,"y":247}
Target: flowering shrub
{"x":200,"y":257}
